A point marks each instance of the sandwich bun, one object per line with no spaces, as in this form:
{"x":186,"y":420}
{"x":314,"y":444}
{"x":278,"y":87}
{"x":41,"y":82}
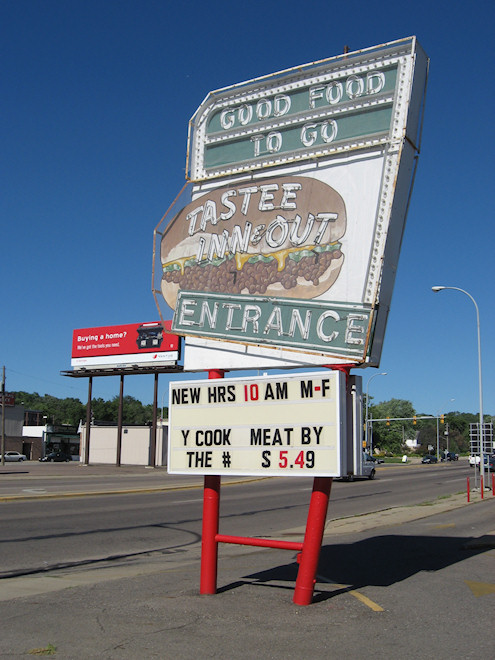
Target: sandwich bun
{"x":272,"y":237}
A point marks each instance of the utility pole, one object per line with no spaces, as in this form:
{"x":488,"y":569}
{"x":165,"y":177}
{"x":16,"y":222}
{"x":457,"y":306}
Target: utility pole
{"x":3,"y":416}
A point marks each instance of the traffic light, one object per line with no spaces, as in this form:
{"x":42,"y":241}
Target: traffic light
{"x":442,"y":419}
{"x":388,"y":421}
{"x":414,"y":419}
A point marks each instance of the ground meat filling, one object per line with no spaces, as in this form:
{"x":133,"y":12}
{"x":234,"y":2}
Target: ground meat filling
{"x":254,"y":277}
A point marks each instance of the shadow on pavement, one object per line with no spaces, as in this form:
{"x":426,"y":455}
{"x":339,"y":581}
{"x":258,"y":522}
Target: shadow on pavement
{"x":378,"y":561}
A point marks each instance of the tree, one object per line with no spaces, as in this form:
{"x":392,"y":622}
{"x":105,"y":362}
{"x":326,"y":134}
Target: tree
{"x":390,"y":437}
{"x":459,"y":430}
{"x":70,"y":411}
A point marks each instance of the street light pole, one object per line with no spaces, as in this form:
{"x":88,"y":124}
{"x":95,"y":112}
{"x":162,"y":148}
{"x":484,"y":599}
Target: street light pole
{"x":367,"y":406}
{"x":436,"y":289}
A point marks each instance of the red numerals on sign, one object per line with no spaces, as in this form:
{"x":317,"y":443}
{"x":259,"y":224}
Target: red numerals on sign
{"x":303,"y":459}
{"x":251,"y":392}
{"x":300,"y":459}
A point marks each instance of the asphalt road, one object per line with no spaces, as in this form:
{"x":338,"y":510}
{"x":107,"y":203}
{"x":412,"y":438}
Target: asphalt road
{"x":40,"y":533}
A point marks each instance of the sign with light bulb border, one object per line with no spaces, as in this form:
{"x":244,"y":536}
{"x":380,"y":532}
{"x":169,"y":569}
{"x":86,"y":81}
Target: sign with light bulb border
{"x":285,"y":250}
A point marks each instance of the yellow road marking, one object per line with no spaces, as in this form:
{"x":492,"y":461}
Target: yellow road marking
{"x":480,"y":588}
{"x":361,"y":597}
{"x":366,"y":601}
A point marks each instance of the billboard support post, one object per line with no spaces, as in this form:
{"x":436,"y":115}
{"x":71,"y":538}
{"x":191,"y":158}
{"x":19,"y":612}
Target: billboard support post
{"x":119,"y":422}
{"x":152,"y":458}
{"x":211,"y":514}
{"x":315,"y":525}
{"x":88,"y":420}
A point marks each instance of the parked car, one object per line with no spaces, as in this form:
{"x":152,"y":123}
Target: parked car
{"x":429,"y":458}
{"x":450,"y":456}
{"x":375,"y":459}
{"x":487,"y":459}
{"x":56,"y":457}
{"x":14,"y":456}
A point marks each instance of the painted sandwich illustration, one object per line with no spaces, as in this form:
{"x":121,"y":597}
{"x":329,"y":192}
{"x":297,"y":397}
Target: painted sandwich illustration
{"x":273,"y":237}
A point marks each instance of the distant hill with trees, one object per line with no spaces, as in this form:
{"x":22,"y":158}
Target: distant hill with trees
{"x":70,"y":411}
{"x":391,"y":437}
{"x":388,"y":438}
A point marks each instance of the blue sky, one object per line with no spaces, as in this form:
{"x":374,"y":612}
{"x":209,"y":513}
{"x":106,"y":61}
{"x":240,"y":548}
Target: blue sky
{"x":97,"y":96}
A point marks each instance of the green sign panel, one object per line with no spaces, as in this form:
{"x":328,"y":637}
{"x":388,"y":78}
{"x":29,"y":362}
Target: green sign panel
{"x":332,"y":96}
{"x":299,"y":137}
{"x":337,"y":329}
{"x":334,"y":106}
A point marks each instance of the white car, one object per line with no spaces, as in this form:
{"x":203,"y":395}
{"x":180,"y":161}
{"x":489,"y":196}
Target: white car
{"x":14,"y":456}
{"x":475,"y":459}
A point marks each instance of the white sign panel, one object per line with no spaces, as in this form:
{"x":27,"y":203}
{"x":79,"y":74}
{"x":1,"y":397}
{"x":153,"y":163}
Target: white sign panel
{"x":120,"y":361}
{"x":206,"y":354}
{"x":279,"y":425}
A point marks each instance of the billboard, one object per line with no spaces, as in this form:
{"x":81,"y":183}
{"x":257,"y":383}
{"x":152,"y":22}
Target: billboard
{"x":289,"y":235}
{"x":7,"y":398}
{"x":266,"y":426}
{"x":134,"y":344}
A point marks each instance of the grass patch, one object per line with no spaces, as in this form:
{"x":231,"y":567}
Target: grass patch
{"x":47,"y":650}
{"x":440,"y":497}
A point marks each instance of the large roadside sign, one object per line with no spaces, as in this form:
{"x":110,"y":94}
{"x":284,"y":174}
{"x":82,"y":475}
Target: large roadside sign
{"x":289,"y":234}
{"x":132,"y":344}
{"x":278,"y":425}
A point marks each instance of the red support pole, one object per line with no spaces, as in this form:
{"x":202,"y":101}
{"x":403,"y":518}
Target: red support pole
{"x":209,"y":545}
{"x":468,"y":491}
{"x":259,"y":543}
{"x":211,"y":516}
{"x":306,"y":576}
{"x":482,"y":488}
{"x":493,"y":485}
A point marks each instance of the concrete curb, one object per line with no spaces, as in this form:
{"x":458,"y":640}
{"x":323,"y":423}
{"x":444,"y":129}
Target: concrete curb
{"x":399,"y":515}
